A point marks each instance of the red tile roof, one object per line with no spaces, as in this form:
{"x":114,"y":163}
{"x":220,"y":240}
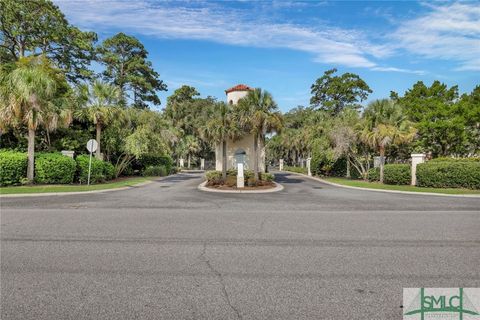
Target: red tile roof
{"x":239,"y":87}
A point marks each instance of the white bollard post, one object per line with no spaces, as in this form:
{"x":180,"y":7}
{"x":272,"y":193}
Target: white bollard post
{"x":240,"y":178}
{"x":308,"y":166}
{"x":417,"y":158}
{"x":181,"y":162}
{"x":202,"y":164}
{"x":280,"y":165}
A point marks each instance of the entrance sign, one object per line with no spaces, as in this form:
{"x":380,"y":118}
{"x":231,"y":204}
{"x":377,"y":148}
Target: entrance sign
{"x":240,"y":180}
{"x":309,"y":161}
{"x":92,"y":146}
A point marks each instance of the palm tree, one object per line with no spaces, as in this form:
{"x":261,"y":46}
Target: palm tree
{"x":385,"y":124}
{"x":221,"y":127}
{"x":258,"y":114}
{"x":28,"y":98}
{"x":188,"y":146}
{"x":99,"y":104}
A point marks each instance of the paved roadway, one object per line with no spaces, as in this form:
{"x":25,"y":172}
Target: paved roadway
{"x":169,"y":251}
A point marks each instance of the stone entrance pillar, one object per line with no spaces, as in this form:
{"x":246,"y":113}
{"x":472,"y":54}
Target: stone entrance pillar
{"x":182,"y":163}
{"x":417,"y":158}
{"x":280,"y":164}
{"x":202,"y":164}
{"x":377,"y":161}
{"x":309,"y":160}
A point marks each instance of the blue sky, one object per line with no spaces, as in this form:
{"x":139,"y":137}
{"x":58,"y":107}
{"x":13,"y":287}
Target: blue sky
{"x":284,"y":46}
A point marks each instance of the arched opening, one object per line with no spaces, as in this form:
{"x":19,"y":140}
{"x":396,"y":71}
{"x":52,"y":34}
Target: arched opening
{"x":240,"y":155}
{"x":230,"y":102}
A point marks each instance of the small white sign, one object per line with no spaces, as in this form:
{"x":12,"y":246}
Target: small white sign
{"x":240,"y":169}
{"x":92,"y":145}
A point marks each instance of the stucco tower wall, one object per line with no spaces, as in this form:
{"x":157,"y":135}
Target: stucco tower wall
{"x":234,"y":96}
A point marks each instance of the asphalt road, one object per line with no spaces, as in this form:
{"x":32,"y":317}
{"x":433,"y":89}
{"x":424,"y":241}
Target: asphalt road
{"x":169,"y":251}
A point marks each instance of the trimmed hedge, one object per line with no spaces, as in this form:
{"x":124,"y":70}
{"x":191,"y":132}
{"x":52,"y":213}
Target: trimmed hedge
{"x":155,"y":171}
{"x":54,"y":168}
{"x":449,"y":174}
{"x":448,"y":159}
{"x":101,"y":170}
{"x":399,"y":174}
{"x":156,"y":161}
{"x":13,"y":167}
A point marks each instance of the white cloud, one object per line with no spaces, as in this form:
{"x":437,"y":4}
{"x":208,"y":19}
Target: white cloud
{"x":449,"y":32}
{"x":233,"y":26}
{"x":393,"y":69}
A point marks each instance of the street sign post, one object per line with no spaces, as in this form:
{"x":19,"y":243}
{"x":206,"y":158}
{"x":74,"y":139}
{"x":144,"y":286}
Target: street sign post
{"x":92,"y":146}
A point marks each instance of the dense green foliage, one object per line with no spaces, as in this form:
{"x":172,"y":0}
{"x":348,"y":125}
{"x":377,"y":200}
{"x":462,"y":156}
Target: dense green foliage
{"x":445,"y":174}
{"x":166,"y":162}
{"x":335,"y":93}
{"x":155,"y":171}
{"x":54,"y":168}
{"x":101,"y":171}
{"x":394,"y":174}
{"x":447,"y":123}
{"x":13,"y":167}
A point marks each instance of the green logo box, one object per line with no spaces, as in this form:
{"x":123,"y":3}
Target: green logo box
{"x":441,"y":303}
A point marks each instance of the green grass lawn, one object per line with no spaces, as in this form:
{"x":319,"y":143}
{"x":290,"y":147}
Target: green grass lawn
{"x":126,"y":182}
{"x":376,"y":185}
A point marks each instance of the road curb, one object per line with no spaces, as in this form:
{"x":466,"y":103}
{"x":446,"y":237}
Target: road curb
{"x":419,"y":193}
{"x":46,"y":194}
{"x":202,"y":187}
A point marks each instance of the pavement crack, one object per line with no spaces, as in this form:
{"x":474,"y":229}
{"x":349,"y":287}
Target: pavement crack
{"x":203,"y":257}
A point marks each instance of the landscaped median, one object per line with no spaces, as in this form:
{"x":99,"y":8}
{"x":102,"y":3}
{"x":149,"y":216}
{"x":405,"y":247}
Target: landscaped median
{"x":56,"y":188}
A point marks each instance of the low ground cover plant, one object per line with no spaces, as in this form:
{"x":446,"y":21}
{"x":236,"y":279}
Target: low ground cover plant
{"x":295,"y":169}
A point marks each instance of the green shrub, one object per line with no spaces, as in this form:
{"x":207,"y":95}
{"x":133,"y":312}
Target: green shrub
{"x":295,"y":169}
{"x":449,"y":174}
{"x":13,"y":167}
{"x":101,"y":170}
{"x":392,"y":174}
{"x":109,"y":170}
{"x":267,"y":177}
{"x":156,"y":160}
{"x":374,"y":174}
{"x":448,"y":159}
{"x":339,"y":169}
{"x":54,"y":168}
{"x":155,"y":171}
{"x":397,"y":174}
{"x":214,"y":177}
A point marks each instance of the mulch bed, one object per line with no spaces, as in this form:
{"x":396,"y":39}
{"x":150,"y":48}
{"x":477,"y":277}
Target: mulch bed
{"x":225,"y":187}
